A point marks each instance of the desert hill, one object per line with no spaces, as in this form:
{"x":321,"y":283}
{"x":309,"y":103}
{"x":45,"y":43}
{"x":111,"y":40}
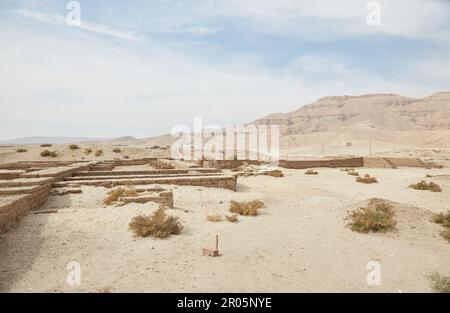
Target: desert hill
{"x":383,"y":118}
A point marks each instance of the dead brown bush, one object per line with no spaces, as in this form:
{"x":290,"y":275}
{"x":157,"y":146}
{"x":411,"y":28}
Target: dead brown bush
{"x":232,"y":218}
{"x":423,"y":185}
{"x":21,"y":150}
{"x":116,"y":150}
{"x":366,"y":179}
{"x":377,"y":216}
{"x":98,"y":153}
{"x":48,"y":153}
{"x":439,"y":283}
{"x":214,"y":218}
{"x":115,"y":194}
{"x":311,"y":172}
{"x":353,"y":173}
{"x":249,"y":208}
{"x":158,"y":225}
{"x":274,"y":173}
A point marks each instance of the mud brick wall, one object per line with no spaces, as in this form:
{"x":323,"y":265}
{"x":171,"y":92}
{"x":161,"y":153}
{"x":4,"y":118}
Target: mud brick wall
{"x":229,"y":164}
{"x":378,"y":163}
{"x":142,"y":161}
{"x":407,"y":162}
{"x":164,"y":198}
{"x":160,"y":164}
{"x":12,"y":208}
{"x":352,"y":162}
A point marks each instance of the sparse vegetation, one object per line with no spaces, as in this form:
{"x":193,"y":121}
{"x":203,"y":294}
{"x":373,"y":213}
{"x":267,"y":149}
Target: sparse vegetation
{"x":274,"y":173}
{"x":249,"y":208}
{"x":48,"y":153}
{"x":423,"y":185}
{"x":377,"y":216}
{"x":46,"y":145}
{"x":98,"y":153}
{"x":440,"y":283}
{"x":214,"y":218}
{"x":366,"y":179}
{"x":444,"y":220}
{"x":158,"y":225}
{"x":74,"y":147}
{"x":352,"y":172}
{"x":347,"y":169}
{"x":116,"y":150}
{"x":126,"y":157}
{"x":311,"y":172}
{"x":115,"y":194}
{"x":155,"y":147}
{"x":21,"y":150}
{"x":87,"y":151}
{"x":232,"y":218}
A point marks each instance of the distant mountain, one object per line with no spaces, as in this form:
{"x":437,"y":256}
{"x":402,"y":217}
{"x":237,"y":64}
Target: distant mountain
{"x":381,"y":117}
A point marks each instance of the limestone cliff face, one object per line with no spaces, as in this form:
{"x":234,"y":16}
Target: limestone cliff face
{"x":382,"y":112}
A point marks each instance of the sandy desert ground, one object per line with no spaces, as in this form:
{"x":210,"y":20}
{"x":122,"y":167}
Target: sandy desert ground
{"x":299,"y":242}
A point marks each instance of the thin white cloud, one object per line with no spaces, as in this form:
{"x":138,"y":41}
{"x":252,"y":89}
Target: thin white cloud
{"x":87,"y":26}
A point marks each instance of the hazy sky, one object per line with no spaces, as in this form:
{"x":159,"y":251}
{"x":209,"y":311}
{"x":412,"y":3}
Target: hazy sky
{"x":141,"y":67}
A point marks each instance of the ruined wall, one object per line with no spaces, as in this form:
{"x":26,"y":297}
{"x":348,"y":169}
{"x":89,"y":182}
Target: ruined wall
{"x":229,"y":164}
{"x":352,"y":162}
{"x":13,"y":207}
{"x":407,"y":162}
{"x":378,"y":163}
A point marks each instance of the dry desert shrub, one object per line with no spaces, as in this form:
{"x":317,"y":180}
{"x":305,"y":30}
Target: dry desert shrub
{"x":158,"y":225}
{"x":87,"y":151}
{"x":346,"y":169}
{"x":115,"y":194}
{"x":232,"y":218}
{"x":440,"y":283}
{"x":98,"y":153}
{"x":423,"y":185}
{"x":116,"y":150}
{"x":311,"y":172}
{"x":214,"y":218}
{"x":74,"y":147}
{"x":46,"y":145}
{"x":377,"y":216}
{"x":155,"y":147}
{"x":274,"y":173}
{"x":48,"y":153}
{"x":366,"y":179}
{"x":353,"y":173}
{"x":249,"y":208}
{"x":444,"y":220}
{"x":126,"y":157}
{"x":21,"y":150}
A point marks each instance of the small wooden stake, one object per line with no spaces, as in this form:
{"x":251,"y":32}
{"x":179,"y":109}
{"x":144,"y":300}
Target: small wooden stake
{"x":212,"y":252}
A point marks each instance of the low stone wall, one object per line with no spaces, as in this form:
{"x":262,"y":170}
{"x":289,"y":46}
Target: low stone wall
{"x":161,"y":164}
{"x":11,"y":174}
{"x":407,"y":162}
{"x":12,"y":208}
{"x":142,"y":161}
{"x":164,"y":198}
{"x":228,"y":164}
{"x":378,"y":163}
{"x":352,"y":162}
{"x":227,"y":182}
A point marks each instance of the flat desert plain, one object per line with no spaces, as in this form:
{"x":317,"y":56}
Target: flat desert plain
{"x":299,"y":242}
